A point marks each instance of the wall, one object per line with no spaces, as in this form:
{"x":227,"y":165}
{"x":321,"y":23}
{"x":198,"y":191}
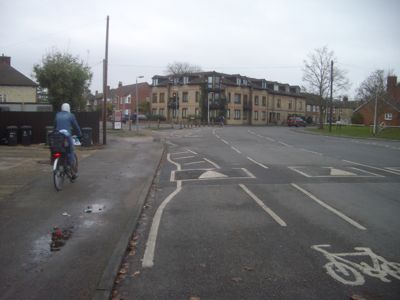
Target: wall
{"x":19,"y":94}
{"x":39,"y":121}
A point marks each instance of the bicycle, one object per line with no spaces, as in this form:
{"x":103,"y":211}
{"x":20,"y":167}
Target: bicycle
{"x":62,"y":168}
{"x":348,"y":272}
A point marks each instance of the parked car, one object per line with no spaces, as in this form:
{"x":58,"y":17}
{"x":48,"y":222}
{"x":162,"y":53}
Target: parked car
{"x":141,"y":117}
{"x":296,"y":121}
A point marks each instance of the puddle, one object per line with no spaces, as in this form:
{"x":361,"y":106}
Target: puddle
{"x":95,"y":208}
{"x":59,"y":237}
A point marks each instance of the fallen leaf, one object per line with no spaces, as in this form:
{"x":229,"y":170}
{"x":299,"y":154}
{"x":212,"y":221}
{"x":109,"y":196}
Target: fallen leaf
{"x":237,"y":279}
{"x":137,"y":273}
{"x":249,"y":269}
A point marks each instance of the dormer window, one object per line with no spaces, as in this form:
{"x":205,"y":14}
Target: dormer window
{"x":244,"y":81}
{"x":185,"y":80}
{"x":155,"y":81}
{"x":176,"y":80}
{"x":264,"y":84}
{"x":238,"y":81}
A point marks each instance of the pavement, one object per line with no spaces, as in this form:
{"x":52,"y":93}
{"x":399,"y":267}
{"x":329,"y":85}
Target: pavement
{"x":97,"y":215}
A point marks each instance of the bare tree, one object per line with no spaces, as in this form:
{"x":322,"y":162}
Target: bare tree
{"x":317,"y":76}
{"x":179,"y":68}
{"x":373,"y":86}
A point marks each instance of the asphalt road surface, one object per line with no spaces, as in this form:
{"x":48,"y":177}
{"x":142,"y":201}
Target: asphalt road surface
{"x":268,"y":213}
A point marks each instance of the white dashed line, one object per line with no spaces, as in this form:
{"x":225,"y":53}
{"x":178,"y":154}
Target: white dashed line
{"x":284,"y":144}
{"x":184,"y":157}
{"x":192,"y":151}
{"x":263,"y":206}
{"x":195,"y":162}
{"x":224,"y":141}
{"x":269,"y":139}
{"x":213,"y":163}
{"x":313,"y":152}
{"x":235,"y":149}
{"x":330,"y":208}
{"x":257,"y":163}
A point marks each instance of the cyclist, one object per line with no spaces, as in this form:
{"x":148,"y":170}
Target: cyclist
{"x":65,"y":122}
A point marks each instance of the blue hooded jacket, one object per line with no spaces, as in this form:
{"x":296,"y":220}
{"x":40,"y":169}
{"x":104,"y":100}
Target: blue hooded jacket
{"x":66,"y":120}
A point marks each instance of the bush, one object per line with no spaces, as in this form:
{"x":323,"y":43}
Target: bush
{"x":357,"y":118}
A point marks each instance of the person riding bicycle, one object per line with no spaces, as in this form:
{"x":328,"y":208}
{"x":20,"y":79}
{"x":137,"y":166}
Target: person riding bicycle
{"x":65,"y":122}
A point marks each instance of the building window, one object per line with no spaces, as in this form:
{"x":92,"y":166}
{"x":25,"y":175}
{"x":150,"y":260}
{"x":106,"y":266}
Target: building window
{"x":3,"y":98}
{"x":264,"y":115}
{"x":290,"y":104}
{"x":244,"y":81}
{"x":245,"y":100}
{"x":229,"y":97}
{"x":176,"y":80}
{"x":255,"y":100}
{"x":185,"y":80}
{"x":300,"y":105}
{"x":128,"y":100}
{"x":308,"y":108}
{"x":162,"y":97}
{"x":154,"y":111}
{"x":264,"y":101}
{"x":237,"y":114}
{"x":210,"y":82}
{"x":278,"y":116}
{"x":278,"y":103}
{"x":228,"y":114}
{"x":185,"y":97}
{"x":155,"y":81}
{"x":238,"y":99}
{"x":264,"y":84}
{"x":256,"y":115}
{"x":184,"y":113}
{"x":154,"y":98}
{"x":238,"y":81}
{"x":197,"y":96}
{"x":388,"y":116}
{"x":161,"y":111}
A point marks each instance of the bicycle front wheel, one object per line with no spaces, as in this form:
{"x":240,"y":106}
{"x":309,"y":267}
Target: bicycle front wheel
{"x":58,"y":175}
{"x":344,"y":273}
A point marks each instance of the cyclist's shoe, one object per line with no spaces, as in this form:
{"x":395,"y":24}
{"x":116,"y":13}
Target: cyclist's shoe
{"x":74,"y":176}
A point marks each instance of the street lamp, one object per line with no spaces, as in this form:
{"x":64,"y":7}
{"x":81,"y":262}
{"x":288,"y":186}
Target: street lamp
{"x":137,"y":104}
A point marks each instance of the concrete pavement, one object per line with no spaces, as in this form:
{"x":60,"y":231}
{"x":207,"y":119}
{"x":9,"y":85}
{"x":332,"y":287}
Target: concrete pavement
{"x":114,"y":182}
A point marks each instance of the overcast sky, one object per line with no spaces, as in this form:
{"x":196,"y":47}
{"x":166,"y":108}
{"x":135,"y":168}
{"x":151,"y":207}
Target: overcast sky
{"x":256,"y":38}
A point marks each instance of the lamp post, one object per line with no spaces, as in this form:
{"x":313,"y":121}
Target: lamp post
{"x":137,"y":104}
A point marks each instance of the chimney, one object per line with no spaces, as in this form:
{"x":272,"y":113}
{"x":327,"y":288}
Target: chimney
{"x":391,"y":82}
{"x":6,"y":60}
{"x":119,"y":84}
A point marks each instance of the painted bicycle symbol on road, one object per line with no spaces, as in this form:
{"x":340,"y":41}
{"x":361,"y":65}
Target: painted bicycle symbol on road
{"x":341,"y":268}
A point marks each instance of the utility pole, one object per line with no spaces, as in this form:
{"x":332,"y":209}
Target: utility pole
{"x":331,"y":108}
{"x":376,"y":112}
{"x":105,"y":69}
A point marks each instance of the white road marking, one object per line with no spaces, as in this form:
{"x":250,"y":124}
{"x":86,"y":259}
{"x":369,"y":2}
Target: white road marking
{"x":269,"y":139}
{"x":178,"y":166}
{"x":300,"y":172}
{"x":211,"y":162}
{"x":191,"y":151}
{"x":176,"y":153}
{"x":212,"y":174}
{"x":396,"y":169}
{"x":237,"y":150}
{"x":371,"y":167}
{"x":195,"y":162}
{"x":263,"y":206}
{"x":313,"y":152}
{"x":284,"y":144}
{"x":247,"y":172}
{"x":148,"y":258}
{"x":225,"y":141}
{"x":339,"y":172}
{"x":184,"y":157}
{"x":330,"y":208}
{"x":363,"y":171}
{"x":217,"y":136}
{"x":257,"y":163}
{"x":259,"y":135}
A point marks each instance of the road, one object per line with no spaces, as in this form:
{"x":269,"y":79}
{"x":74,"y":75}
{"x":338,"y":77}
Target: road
{"x":268,"y":213}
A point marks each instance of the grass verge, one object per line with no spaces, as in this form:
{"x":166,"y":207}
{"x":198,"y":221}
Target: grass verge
{"x":358,"y":132}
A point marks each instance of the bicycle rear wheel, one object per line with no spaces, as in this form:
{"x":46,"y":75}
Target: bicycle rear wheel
{"x":58,"y":176}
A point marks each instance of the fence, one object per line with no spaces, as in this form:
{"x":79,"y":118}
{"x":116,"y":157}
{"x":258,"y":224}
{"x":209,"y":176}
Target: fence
{"x":39,"y":121}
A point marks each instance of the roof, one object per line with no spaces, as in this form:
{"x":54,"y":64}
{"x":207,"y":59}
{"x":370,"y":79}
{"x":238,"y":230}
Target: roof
{"x":130,"y":89}
{"x":11,"y":77}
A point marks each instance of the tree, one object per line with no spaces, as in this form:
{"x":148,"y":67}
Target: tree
{"x":65,"y":78}
{"x":179,"y":68}
{"x":317,"y":76}
{"x":373,"y":86}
